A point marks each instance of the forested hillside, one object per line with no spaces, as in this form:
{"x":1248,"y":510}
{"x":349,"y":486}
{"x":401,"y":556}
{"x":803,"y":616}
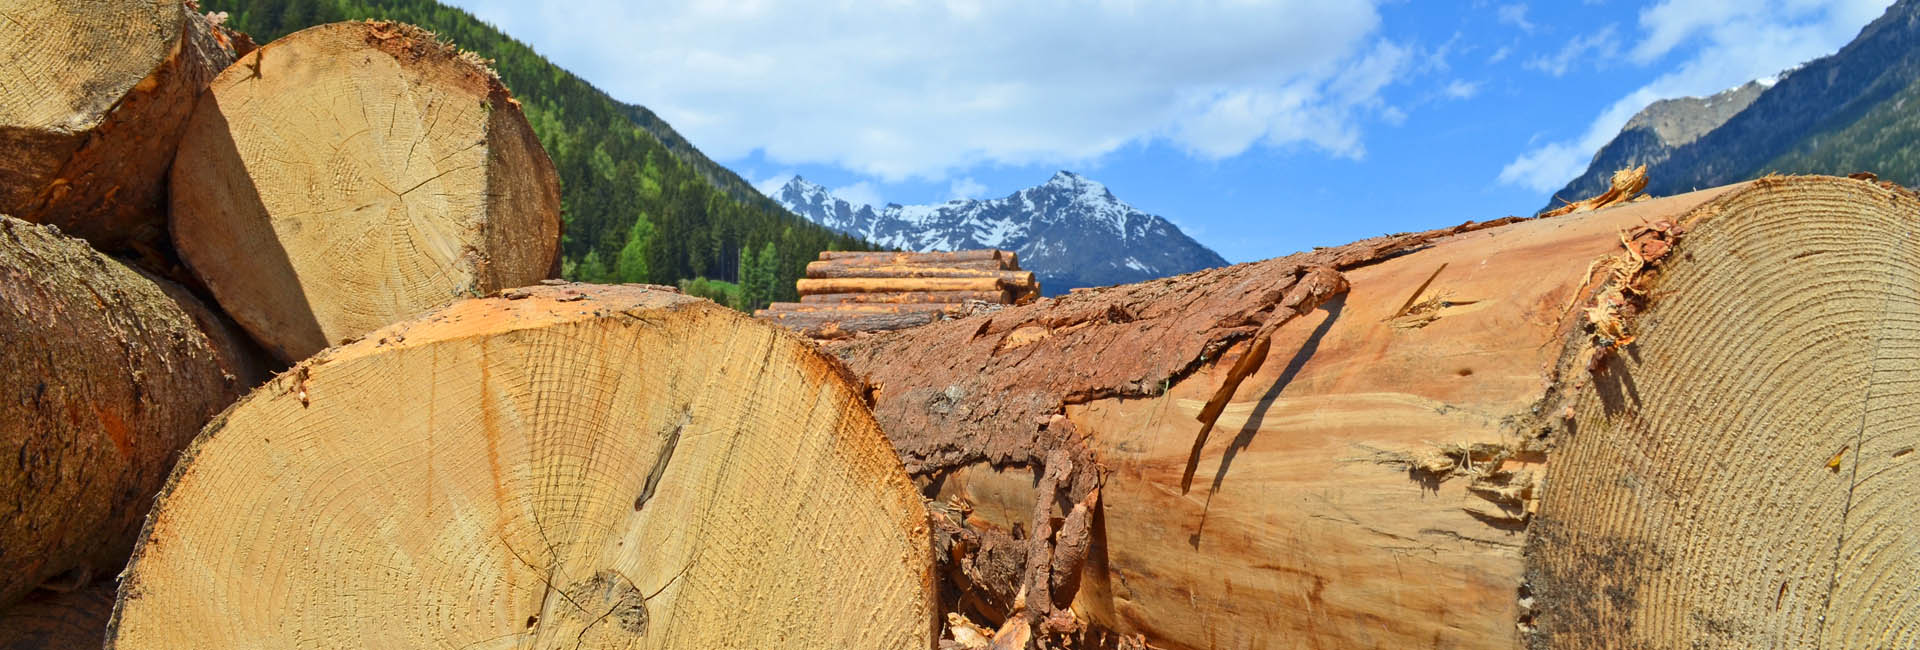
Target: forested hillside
{"x":636,"y":210}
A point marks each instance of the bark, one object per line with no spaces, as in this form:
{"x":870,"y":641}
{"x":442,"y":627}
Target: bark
{"x":824,"y":270}
{"x":49,"y":620}
{"x":811,"y":286}
{"x":1670,"y":423}
{"x":98,"y":93}
{"x":849,"y":263}
{"x":107,"y":374}
{"x":568,"y":466}
{"x":787,"y":308}
{"x":1007,"y":258}
{"x":369,"y":173}
{"x":923,"y":297}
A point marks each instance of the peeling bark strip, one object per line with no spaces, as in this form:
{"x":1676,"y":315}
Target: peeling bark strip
{"x":97,"y":95}
{"x":371,"y":173}
{"x":1626,"y":394}
{"x":483,"y":459}
{"x":105,"y":375}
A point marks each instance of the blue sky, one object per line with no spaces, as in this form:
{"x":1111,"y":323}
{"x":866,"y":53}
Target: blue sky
{"x":1261,"y":127}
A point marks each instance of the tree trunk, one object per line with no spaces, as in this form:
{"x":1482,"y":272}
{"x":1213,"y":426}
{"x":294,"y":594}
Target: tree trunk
{"x":352,"y":175}
{"x":96,"y":96}
{"x":944,"y":297}
{"x":47,"y":620}
{"x":1672,"y":423}
{"x":571,"y":466}
{"x":105,"y":376}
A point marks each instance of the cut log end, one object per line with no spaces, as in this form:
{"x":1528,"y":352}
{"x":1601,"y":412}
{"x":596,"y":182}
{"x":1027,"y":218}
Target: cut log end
{"x":1717,"y":454}
{"x":292,"y":157}
{"x":605,"y":467}
{"x":96,"y":97}
{"x":1753,"y":437}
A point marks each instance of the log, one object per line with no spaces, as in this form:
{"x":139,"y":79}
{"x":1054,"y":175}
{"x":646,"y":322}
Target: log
{"x":107,"y":373}
{"x":830,"y":325}
{"x":829,"y":270}
{"x":870,"y":308}
{"x":869,"y":262}
{"x":570,"y":466}
{"x":351,"y":175}
{"x":96,"y":96}
{"x":810,"y":286}
{"x":931,"y":257}
{"x":923,"y":297}
{"x":47,"y":620}
{"x":1675,"y":423}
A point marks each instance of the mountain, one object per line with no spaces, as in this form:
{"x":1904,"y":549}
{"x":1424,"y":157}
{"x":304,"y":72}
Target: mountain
{"x":1071,"y":231}
{"x":641,"y":203}
{"x":1854,"y":110}
{"x":1653,"y":134}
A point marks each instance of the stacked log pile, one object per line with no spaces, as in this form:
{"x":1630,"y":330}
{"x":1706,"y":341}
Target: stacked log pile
{"x":554,"y":465}
{"x":846,"y":294}
{"x":1680,"y":422}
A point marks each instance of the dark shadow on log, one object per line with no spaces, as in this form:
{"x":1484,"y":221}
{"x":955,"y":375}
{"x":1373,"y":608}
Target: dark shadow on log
{"x":265,"y":257}
{"x":1244,"y":439}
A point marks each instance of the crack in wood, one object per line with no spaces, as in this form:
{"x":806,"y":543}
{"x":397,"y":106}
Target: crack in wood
{"x":660,"y":463}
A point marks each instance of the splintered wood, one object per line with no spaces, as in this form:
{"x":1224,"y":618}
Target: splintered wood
{"x":1613,"y":428}
{"x":570,"y":467}
{"x":847,"y":294}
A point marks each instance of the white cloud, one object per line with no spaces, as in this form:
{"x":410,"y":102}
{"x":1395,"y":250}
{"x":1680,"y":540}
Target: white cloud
{"x":1592,"y":48}
{"x":1500,"y":54}
{"x":771,"y":184}
{"x":1515,"y":15}
{"x":1719,"y":44}
{"x":859,"y":194}
{"x":1461,"y":89}
{"x":898,"y":90}
{"x":965,"y":188}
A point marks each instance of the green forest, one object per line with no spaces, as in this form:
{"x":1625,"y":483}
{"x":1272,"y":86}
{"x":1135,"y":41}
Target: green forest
{"x":637,"y":210}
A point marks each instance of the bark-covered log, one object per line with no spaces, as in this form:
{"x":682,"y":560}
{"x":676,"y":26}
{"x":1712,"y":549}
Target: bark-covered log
{"x":829,"y":325}
{"x":998,"y":297}
{"x":1684,"y":422}
{"x":827,"y":270}
{"x":352,"y":175}
{"x":811,"y":286}
{"x":861,"y":308}
{"x":569,"y":466}
{"x":847,"y":264}
{"x":1007,"y":258}
{"x":49,"y":620}
{"x":105,"y":375}
{"x":94,"y":96}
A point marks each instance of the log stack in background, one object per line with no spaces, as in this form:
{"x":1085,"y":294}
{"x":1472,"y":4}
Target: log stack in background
{"x":1683,"y":422}
{"x":850,"y":293}
{"x":96,"y":95}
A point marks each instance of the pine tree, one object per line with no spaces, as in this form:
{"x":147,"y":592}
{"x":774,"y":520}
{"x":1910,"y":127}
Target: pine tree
{"x":631,"y":266}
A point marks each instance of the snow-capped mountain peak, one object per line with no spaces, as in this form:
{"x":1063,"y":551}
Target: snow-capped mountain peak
{"x":1071,"y":231}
